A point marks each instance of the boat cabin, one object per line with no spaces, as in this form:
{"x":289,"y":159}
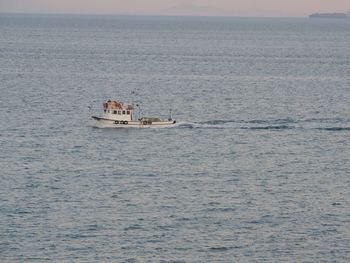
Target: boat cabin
{"x":117,"y":111}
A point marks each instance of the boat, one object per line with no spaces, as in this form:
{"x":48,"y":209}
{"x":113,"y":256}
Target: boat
{"x":117,"y":115}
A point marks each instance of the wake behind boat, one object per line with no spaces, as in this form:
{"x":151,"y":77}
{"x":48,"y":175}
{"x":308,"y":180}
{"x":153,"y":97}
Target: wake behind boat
{"x":118,"y":115}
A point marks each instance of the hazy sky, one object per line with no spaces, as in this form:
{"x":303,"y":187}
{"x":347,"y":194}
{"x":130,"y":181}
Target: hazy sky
{"x":179,"y":7}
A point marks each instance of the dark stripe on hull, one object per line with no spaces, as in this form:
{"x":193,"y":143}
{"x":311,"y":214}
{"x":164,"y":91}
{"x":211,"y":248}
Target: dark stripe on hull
{"x":134,"y":123}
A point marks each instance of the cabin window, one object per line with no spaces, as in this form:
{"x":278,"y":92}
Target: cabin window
{"x":123,"y":112}
{"x":128,"y":112}
{"x":119,"y":112}
{"x":115,"y":112}
{"x":105,"y":111}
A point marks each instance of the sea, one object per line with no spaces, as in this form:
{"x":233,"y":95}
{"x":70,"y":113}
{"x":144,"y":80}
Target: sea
{"x":257,"y":168}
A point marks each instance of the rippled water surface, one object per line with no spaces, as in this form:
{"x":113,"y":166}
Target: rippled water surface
{"x":257,"y":169}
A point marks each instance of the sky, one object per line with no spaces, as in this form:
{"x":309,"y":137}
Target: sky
{"x":178,"y":7}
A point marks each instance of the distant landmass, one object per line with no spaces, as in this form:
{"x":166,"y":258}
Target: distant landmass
{"x":330,"y":15}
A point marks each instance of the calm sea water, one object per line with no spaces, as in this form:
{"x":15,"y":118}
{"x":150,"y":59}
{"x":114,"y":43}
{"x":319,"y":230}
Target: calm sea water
{"x":257,"y":170}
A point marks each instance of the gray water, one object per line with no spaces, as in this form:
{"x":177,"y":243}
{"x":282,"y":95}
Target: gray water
{"x":257,"y":169}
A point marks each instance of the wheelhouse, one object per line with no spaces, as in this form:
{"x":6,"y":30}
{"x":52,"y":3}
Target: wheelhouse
{"x":118,"y":111}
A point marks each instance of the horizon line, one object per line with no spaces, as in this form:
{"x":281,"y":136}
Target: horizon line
{"x":140,"y":14}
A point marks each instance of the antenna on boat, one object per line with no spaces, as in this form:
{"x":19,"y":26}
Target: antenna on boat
{"x":139,"y":110}
{"x":133,"y":93}
{"x":170,"y":117}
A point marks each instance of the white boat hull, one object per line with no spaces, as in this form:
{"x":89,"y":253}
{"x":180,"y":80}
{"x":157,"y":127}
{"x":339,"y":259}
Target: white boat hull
{"x":108,"y":123}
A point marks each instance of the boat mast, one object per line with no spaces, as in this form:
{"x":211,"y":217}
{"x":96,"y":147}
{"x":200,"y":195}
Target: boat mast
{"x":170,"y":113}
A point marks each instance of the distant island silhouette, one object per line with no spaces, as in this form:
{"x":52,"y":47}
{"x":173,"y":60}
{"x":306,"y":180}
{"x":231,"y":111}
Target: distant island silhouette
{"x":330,"y":15}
